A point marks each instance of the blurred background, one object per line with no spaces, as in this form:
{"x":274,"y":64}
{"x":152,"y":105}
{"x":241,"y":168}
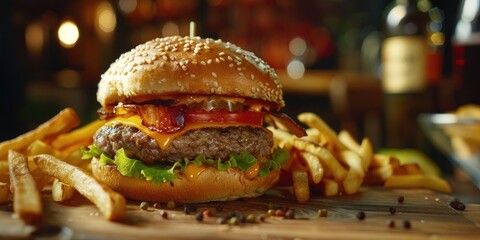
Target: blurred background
{"x":327,"y":54}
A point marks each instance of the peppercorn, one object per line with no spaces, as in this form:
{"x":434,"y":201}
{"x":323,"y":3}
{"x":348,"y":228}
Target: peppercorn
{"x":279,"y":213}
{"x":234,"y":221}
{"x":407,"y":224}
{"x":290,"y":214}
{"x":144,"y":205}
{"x":251,"y":218}
{"x":199,"y":217}
{"x":361,"y":215}
{"x":322,"y":212}
{"x":261,"y":218}
{"x":207,"y":213}
{"x":391,"y":224}
{"x":271,"y":212}
{"x":164,"y":214}
{"x":400,"y":199}
{"x":392,"y":210}
{"x":157,"y":205}
{"x":221,"y":220}
{"x":231,"y":215}
{"x":457,"y":205}
{"x":170,"y":204}
{"x":189,"y":208}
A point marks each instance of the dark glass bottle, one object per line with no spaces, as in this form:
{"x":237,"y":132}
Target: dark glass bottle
{"x":411,"y":68}
{"x":466,"y":53}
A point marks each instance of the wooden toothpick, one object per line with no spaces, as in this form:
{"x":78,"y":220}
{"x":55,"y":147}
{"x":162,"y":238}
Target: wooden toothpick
{"x":192,"y":29}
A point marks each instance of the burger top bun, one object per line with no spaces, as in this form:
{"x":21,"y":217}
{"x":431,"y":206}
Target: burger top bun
{"x":167,"y":67}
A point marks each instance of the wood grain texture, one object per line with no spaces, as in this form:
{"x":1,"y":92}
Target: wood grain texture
{"x":429,"y":214}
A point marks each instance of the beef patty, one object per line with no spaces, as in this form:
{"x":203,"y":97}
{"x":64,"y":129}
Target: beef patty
{"x":214,"y":143}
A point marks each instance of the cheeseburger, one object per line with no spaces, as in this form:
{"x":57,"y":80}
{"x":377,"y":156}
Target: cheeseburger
{"x":185,"y":121}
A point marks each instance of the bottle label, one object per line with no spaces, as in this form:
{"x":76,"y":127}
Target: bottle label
{"x":404,"y":64}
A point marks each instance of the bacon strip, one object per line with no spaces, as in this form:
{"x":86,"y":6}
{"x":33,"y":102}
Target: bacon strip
{"x":282,"y":121}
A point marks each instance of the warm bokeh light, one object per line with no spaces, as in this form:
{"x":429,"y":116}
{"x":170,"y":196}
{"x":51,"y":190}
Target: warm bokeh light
{"x":106,"y":19}
{"x":170,"y":29}
{"x":127,"y":6}
{"x":297,"y":46}
{"x":34,"y":38}
{"x":296,"y":69}
{"x":68,"y":34}
{"x":437,"y":38}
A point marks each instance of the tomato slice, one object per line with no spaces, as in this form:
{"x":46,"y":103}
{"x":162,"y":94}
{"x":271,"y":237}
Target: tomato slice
{"x":251,"y":118}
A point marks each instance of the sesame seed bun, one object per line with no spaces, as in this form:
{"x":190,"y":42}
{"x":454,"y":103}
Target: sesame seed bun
{"x":210,"y":184}
{"x":167,"y":67}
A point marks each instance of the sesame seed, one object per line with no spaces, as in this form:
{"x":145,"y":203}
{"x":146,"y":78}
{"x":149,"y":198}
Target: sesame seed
{"x":252,"y":76}
{"x":214,"y":75}
{"x":221,"y":58}
{"x":209,"y":61}
{"x":221,"y":53}
{"x":229,"y":58}
{"x":184,"y":68}
{"x":162,"y":64}
{"x":230,"y":65}
{"x":165,"y":58}
{"x":217,"y":60}
{"x":238,"y":51}
{"x":239,"y":63}
{"x":203,"y":63}
{"x":192,"y":75}
{"x":239,"y":69}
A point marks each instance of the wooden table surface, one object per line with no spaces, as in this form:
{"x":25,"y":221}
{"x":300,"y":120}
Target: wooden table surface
{"x":429,"y":213}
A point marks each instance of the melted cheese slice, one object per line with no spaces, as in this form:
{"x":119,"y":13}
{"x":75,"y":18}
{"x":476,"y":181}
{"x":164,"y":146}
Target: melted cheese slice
{"x":164,"y":139}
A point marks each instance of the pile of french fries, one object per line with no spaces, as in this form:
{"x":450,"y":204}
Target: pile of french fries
{"x":49,"y":158}
{"x":338,"y":164}
{"x":465,"y":139}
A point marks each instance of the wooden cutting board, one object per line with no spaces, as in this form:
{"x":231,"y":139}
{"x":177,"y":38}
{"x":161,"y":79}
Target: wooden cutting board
{"x":429,"y":213}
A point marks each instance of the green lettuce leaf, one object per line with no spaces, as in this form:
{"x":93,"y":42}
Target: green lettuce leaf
{"x":164,"y":173}
{"x":90,"y":151}
{"x":279,"y":156}
{"x":244,"y":160}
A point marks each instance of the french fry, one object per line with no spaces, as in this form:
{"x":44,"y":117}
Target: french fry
{"x":354,"y":161}
{"x":407,"y":169}
{"x":81,"y":135}
{"x":329,"y":162}
{"x":109,"y":202}
{"x":313,"y":165}
{"x":470,"y":110}
{"x":281,"y":138}
{"x":347,"y":139}
{"x":301,"y":187}
{"x":61,"y":192}
{"x":314,"y":121}
{"x":463,"y":147}
{"x":366,"y":152}
{"x":380,"y":160}
{"x":4,"y":167}
{"x":4,"y":193}
{"x":328,"y":187}
{"x":27,"y":203}
{"x":61,"y":123}
{"x":352,"y":182}
{"x":377,"y":176}
{"x":418,"y":181}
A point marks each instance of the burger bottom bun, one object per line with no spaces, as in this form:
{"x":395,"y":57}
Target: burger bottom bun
{"x":210,"y":184}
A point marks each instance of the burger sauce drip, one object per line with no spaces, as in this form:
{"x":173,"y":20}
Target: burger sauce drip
{"x":192,"y":171}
